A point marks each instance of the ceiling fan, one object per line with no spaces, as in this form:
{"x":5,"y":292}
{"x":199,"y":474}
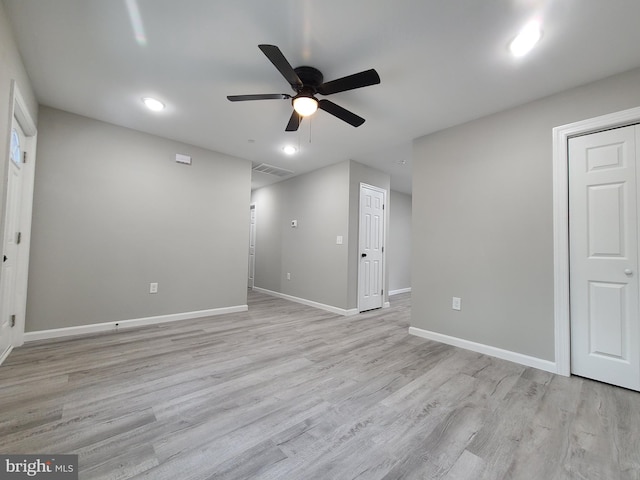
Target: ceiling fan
{"x":307,"y":82}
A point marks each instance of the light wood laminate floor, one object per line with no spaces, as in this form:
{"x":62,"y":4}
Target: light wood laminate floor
{"x":285,"y":391}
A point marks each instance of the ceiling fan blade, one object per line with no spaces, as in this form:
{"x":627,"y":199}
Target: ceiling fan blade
{"x":294,"y":122}
{"x":357,"y":80}
{"x":276,"y":57}
{"x":342,"y":113}
{"x":259,"y":96}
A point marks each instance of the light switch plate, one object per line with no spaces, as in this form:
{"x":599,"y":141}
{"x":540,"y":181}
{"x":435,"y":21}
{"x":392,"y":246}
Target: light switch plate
{"x":456,"y":304}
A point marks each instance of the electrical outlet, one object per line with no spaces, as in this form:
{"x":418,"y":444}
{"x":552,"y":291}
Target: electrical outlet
{"x":288,"y":276}
{"x":153,"y":287}
{"x":456,"y":304}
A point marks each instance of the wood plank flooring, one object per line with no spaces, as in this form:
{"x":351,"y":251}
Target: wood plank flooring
{"x":285,"y":391}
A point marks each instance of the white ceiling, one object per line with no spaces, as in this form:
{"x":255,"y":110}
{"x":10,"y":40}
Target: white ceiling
{"x":442,"y":62}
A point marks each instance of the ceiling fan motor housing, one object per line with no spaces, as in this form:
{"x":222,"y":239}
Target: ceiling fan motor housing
{"x":311,"y":79}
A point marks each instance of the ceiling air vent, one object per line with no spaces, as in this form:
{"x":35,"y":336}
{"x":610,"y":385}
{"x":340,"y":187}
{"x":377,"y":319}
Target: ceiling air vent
{"x":271,"y":170}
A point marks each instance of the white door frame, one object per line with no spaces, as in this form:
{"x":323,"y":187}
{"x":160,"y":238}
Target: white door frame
{"x":18,"y":109}
{"x":561,"y":302}
{"x":252,"y":258}
{"x":384,"y":241}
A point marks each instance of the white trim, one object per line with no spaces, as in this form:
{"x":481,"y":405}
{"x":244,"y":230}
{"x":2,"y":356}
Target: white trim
{"x":6,"y":353}
{"x":385,"y":195}
{"x":26,"y":206}
{"x":561,"y":304}
{"x":122,"y":324}
{"x":19,"y":110}
{"x":310,"y":303}
{"x":252,"y":265}
{"x":515,"y":357}
{"x":400,"y":290}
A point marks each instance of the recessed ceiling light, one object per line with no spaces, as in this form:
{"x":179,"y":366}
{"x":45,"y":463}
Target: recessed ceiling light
{"x":289,"y":149}
{"x":526,"y":39}
{"x":153,"y":104}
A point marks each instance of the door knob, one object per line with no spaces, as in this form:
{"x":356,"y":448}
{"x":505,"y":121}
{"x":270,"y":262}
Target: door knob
{"x":628,"y":271}
{"x":363,"y":255}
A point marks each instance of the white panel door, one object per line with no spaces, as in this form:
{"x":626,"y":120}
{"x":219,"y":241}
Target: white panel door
{"x":252,"y":247}
{"x":10,"y":239}
{"x":603,"y":226}
{"x":371,"y":239}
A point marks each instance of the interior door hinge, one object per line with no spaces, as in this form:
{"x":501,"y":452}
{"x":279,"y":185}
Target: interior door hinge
{"x":24,"y":157}
{"x":18,"y":238}
{"x":13,"y":321}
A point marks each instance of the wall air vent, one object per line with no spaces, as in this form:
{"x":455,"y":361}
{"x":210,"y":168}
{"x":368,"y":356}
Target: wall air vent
{"x":271,"y":170}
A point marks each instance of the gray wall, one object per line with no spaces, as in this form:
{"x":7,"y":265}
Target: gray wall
{"x":11,"y":68}
{"x":114,"y":212}
{"x":483,"y":219}
{"x":319,"y":202}
{"x":399,"y":247}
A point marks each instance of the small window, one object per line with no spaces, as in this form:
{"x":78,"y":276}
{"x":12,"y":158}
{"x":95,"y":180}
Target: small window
{"x":16,"y":154}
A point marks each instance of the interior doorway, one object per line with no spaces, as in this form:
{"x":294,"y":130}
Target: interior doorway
{"x":562,"y":303}
{"x":603,"y":256}
{"x":371,"y":248}
{"x":16,"y":233}
{"x":252,"y":246}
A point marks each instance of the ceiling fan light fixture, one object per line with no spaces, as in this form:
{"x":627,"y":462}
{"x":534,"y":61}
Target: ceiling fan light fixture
{"x":305,"y":106}
{"x":306,"y":82}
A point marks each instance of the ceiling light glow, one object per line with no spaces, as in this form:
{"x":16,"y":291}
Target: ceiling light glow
{"x":305,"y":106}
{"x":289,"y":149}
{"x":136,"y":22}
{"x":526,"y":39}
{"x":153,"y":104}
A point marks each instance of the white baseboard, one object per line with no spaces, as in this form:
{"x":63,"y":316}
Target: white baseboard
{"x":122,"y":324}
{"x":310,"y":303}
{"x":400,"y":290}
{"x":4,"y":356}
{"x":515,"y":357}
